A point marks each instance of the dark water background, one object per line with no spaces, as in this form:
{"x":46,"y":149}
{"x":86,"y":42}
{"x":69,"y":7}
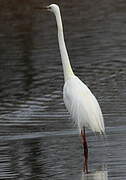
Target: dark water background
{"x":37,"y":137}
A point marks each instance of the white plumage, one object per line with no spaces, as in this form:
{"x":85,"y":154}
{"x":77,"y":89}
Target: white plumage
{"x":82,"y":105}
{"x":80,"y":102}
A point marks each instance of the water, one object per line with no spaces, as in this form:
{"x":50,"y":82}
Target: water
{"x":37,"y":137}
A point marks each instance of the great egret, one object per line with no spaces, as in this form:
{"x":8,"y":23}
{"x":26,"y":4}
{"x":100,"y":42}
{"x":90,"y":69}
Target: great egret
{"x":80,"y":102}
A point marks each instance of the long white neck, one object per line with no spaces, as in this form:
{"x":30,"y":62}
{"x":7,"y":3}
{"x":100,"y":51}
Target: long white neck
{"x":68,"y":72}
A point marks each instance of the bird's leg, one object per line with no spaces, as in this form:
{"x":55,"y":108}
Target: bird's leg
{"x":85,"y":146}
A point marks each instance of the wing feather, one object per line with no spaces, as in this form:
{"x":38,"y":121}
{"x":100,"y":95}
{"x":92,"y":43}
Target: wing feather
{"x":82,"y":105}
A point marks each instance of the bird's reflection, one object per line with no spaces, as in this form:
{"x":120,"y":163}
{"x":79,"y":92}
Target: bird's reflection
{"x":97,"y":175}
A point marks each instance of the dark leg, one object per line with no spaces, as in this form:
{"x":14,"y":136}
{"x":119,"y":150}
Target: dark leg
{"x":85,"y":146}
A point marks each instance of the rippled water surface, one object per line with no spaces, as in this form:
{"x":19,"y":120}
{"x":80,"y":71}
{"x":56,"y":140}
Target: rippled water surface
{"x":37,"y":137}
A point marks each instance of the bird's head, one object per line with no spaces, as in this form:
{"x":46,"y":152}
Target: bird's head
{"x":53,"y":8}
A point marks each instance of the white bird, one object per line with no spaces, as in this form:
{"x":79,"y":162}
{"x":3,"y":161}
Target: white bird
{"x":79,"y":101}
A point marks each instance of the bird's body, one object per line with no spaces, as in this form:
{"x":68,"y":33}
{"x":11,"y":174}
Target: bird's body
{"x":80,"y":102}
{"x":82,"y":105}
